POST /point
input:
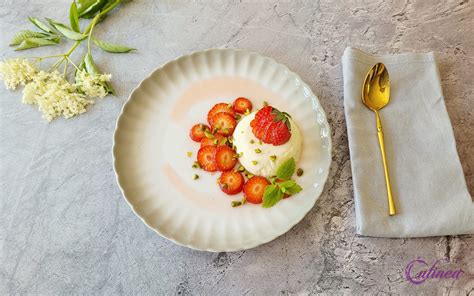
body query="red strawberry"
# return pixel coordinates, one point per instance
(217, 140)
(206, 158)
(271, 126)
(241, 105)
(226, 158)
(218, 108)
(254, 189)
(231, 182)
(197, 132)
(223, 123)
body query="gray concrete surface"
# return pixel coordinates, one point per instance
(64, 227)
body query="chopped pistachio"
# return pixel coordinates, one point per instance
(260, 142)
(273, 158)
(215, 141)
(254, 162)
(226, 131)
(247, 112)
(237, 116)
(224, 141)
(241, 168)
(239, 155)
(196, 165)
(230, 139)
(208, 135)
(230, 105)
(252, 141)
(189, 153)
(258, 150)
(249, 175)
(236, 203)
(265, 103)
(195, 177)
(299, 172)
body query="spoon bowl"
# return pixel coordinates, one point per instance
(376, 90)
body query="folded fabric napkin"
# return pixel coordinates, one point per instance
(427, 179)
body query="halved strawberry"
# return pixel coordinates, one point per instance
(206, 158)
(231, 182)
(226, 158)
(197, 132)
(216, 140)
(218, 108)
(223, 123)
(241, 105)
(254, 189)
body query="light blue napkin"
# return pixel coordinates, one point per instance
(427, 179)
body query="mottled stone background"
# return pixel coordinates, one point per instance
(64, 227)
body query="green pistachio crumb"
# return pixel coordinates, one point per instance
(208, 135)
(189, 153)
(254, 162)
(299, 172)
(258, 150)
(215, 141)
(241, 168)
(260, 142)
(247, 112)
(273, 158)
(196, 165)
(236, 203)
(265, 103)
(252, 141)
(238, 117)
(239, 155)
(195, 177)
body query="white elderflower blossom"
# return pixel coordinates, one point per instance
(92, 85)
(54, 96)
(16, 71)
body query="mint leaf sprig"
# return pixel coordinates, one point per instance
(282, 184)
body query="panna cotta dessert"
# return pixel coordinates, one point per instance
(260, 158)
(255, 153)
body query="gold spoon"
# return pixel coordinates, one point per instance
(376, 95)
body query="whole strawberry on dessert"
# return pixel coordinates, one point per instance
(265, 139)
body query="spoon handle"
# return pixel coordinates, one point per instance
(391, 205)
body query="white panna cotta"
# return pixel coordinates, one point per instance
(259, 159)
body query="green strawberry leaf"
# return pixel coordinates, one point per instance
(286, 169)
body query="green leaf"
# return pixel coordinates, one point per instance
(89, 8)
(271, 196)
(36, 42)
(287, 184)
(22, 35)
(74, 17)
(111, 47)
(286, 169)
(66, 31)
(293, 189)
(91, 68)
(42, 26)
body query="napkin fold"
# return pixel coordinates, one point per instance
(427, 179)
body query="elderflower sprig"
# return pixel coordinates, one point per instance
(49, 89)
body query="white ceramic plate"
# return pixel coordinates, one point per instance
(151, 141)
